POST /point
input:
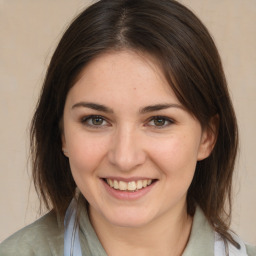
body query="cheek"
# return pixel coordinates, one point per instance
(85, 154)
(176, 156)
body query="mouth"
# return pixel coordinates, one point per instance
(130, 186)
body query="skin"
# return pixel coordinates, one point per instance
(127, 142)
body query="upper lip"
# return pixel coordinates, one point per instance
(127, 179)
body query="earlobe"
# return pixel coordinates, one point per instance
(209, 138)
(64, 150)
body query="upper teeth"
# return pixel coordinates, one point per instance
(130, 186)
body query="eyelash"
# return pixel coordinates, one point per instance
(87, 119)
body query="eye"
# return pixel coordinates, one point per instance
(160, 121)
(94, 121)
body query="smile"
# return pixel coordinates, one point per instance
(131, 186)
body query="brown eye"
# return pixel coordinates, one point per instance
(97, 120)
(159, 121)
(94, 121)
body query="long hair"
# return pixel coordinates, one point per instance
(188, 57)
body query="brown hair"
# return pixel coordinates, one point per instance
(190, 61)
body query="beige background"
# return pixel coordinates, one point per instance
(29, 31)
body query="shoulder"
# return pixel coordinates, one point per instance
(205, 241)
(251, 250)
(245, 249)
(43, 237)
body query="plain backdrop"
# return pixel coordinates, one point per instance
(29, 32)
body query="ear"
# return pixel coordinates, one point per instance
(209, 138)
(64, 145)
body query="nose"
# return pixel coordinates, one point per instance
(126, 151)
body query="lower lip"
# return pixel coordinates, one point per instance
(126, 195)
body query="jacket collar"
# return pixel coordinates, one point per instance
(201, 240)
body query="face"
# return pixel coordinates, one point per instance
(131, 145)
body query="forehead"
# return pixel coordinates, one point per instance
(122, 75)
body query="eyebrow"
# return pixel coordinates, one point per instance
(94, 106)
(158, 107)
(144, 110)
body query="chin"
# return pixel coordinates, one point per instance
(129, 219)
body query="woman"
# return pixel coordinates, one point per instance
(134, 139)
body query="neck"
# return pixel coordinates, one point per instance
(159, 237)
